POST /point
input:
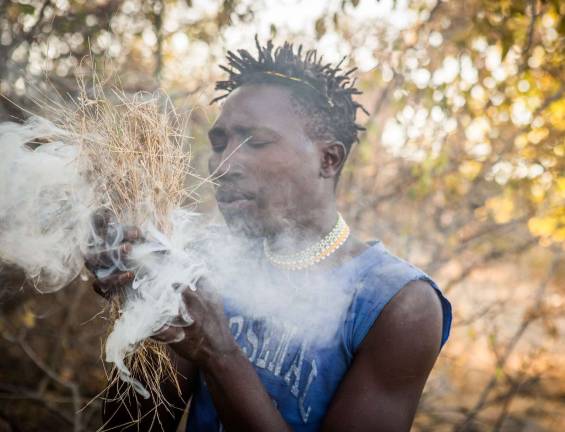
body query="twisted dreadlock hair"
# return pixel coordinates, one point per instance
(321, 91)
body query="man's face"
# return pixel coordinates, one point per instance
(269, 169)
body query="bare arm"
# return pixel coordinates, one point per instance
(240, 399)
(381, 390)
(239, 396)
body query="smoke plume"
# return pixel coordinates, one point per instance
(47, 196)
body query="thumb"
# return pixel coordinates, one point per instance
(169, 335)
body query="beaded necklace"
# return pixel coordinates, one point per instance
(313, 254)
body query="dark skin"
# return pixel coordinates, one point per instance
(278, 183)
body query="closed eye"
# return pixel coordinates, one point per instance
(257, 144)
(257, 141)
(218, 140)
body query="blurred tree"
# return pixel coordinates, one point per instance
(461, 170)
(467, 132)
(48, 39)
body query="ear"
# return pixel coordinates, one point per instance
(333, 156)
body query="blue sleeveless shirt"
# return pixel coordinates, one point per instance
(301, 378)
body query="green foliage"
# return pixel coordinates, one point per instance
(463, 156)
(26, 9)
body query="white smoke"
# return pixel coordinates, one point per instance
(163, 267)
(46, 204)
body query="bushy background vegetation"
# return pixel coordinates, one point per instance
(461, 170)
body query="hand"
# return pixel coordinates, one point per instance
(208, 337)
(107, 253)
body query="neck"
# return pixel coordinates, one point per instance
(305, 230)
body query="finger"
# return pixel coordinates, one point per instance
(188, 296)
(196, 300)
(132, 234)
(107, 287)
(117, 234)
(118, 280)
(96, 261)
(108, 258)
(193, 302)
(107, 290)
(169, 335)
(100, 220)
(207, 290)
(105, 224)
(202, 283)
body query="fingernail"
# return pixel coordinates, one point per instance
(126, 277)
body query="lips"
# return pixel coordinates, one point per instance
(233, 198)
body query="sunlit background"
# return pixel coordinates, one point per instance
(461, 170)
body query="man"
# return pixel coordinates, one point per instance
(278, 146)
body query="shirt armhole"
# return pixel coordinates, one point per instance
(366, 322)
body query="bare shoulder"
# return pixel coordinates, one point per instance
(390, 368)
(417, 301)
(405, 339)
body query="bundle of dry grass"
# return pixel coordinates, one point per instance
(135, 148)
(138, 157)
(128, 154)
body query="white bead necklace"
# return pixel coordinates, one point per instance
(313, 254)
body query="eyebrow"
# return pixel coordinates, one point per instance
(243, 130)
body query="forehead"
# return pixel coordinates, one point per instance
(262, 105)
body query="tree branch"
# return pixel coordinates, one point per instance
(71, 386)
(530, 316)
